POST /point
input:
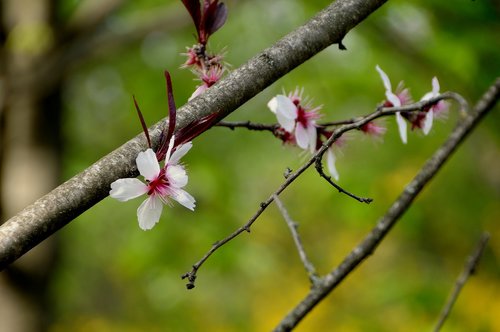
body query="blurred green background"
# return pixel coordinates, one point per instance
(111, 276)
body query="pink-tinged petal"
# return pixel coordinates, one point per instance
(330, 164)
(199, 90)
(179, 153)
(435, 86)
(401, 127)
(184, 198)
(177, 176)
(385, 79)
(312, 136)
(149, 212)
(301, 137)
(147, 164)
(285, 111)
(428, 122)
(395, 101)
(125, 189)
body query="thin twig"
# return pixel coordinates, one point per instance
(469, 269)
(191, 275)
(319, 168)
(293, 226)
(248, 125)
(402, 203)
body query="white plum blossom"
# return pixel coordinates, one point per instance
(436, 108)
(297, 119)
(161, 183)
(395, 100)
(330, 164)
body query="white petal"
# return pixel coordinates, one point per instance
(435, 86)
(330, 163)
(285, 111)
(147, 164)
(312, 135)
(169, 150)
(428, 122)
(177, 176)
(149, 212)
(401, 126)
(184, 198)
(395, 101)
(427, 96)
(125, 189)
(273, 105)
(301, 136)
(385, 79)
(179, 153)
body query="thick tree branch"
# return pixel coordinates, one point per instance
(51, 212)
(402, 203)
(469, 269)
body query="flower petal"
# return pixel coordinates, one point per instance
(402, 127)
(385, 79)
(395, 101)
(179, 153)
(330, 163)
(301, 136)
(184, 198)
(312, 136)
(428, 122)
(169, 150)
(125, 189)
(199, 90)
(177, 176)
(147, 164)
(285, 111)
(435, 86)
(149, 212)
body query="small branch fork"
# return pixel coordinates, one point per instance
(368, 245)
(318, 155)
(469, 269)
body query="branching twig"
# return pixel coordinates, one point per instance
(402, 203)
(293, 226)
(191, 275)
(469, 269)
(319, 168)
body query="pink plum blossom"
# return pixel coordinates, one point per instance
(401, 97)
(296, 118)
(161, 183)
(437, 108)
(208, 78)
(373, 129)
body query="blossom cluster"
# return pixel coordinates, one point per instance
(167, 182)
(208, 17)
(298, 119)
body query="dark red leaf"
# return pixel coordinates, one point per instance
(195, 128)
(143, 123)
(193, 7)
(172, 115)
(216, 18)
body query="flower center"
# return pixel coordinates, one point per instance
(159, 185)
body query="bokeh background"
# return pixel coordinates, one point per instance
(108, 275)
